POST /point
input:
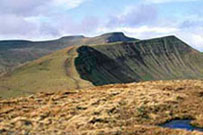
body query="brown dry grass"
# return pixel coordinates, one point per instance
(135, 108)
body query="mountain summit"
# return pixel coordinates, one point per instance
(100, 63)
(14, 53)
(155, 59)
(116, 36)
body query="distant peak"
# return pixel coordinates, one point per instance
(170, 36)
(72, 37)
(113, 33)
(116, 36)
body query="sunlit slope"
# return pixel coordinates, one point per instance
(50, 73)
(120, 62)
(14, 53)
(155, 59)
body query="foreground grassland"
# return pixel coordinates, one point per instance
(135, 108)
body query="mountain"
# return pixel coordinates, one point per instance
(14, 53)
(109, 38)
(119, 109)
(155, 59)
(84, 66)
(53, 72)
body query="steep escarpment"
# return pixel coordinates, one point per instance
(155, 59)
(99, 68)
(120, 62)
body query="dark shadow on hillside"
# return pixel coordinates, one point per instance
(99, 69)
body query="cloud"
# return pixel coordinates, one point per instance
(192, 33)
(197, 41)
(134, 16)
(167, 1)
(189, 29)
(36, 7)
(193, 39)
(12, 24)
(187, 24)
(36, 18)
(20, 7)
(143, 22)
(68, 3)
(143, 31)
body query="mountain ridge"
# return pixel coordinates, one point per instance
(14, 53)
(84, 66)
(153, 59)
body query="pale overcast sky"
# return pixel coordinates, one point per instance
(48, 19)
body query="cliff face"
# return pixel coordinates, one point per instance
(155, 59)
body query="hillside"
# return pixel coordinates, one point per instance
(155, 59)
(121, 109)
(14, 53)
(120, 62)
(109, 38)
(50, 73)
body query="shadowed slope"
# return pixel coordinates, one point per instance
(14, 53)
(100, 69)
(121, 62)
(156, 59)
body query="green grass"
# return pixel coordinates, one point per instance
(155, 59)
(120, 62)
(14, 53)
(50, 73)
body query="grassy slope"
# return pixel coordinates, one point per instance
(156, 59)
(121, 109)
(108, 63)
(14, 53)
(49, 73)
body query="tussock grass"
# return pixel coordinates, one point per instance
(135, 108)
